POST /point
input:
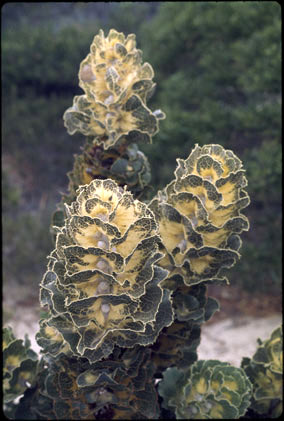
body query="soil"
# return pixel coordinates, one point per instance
(232, 332)
(236, 302)
(232, 339)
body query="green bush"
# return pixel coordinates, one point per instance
(262, 244)
(11, 194)
(27, 242)
(37, 141)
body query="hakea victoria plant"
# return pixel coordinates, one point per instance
(102, 286)
(199, 215)
(125, 291)
(117, 86)
(19, 365)
(209, 389)
(113, 115)
(265, 370)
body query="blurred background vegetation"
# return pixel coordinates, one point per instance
(218, 73)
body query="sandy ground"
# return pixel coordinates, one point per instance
(232, 339)
(24, 322)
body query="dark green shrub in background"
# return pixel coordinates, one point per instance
(218, 71)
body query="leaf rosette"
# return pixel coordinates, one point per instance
(208, 390)
(199, 215)
(265, 370)
(117, 86)
(102, 283)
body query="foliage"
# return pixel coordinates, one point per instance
(19, 367)
(264, 172)
(35, 59)
(116, 87)
(124, 275)
(177, 344)
(104, 269)
(11, 194)
(130, 167)
(265, 370)
(27, 242)
(34, 150)
(199, 214)
(209, 389)
(120, 388)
